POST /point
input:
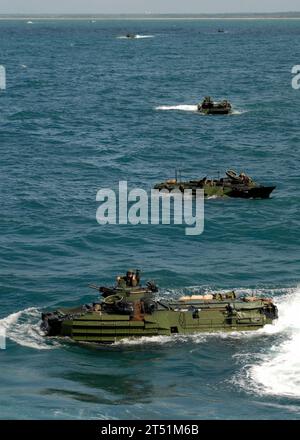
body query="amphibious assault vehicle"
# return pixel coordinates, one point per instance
(233, 185)
(129, 310)
(209, 107)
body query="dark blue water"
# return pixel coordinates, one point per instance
(84, 109)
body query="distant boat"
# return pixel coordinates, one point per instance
(131, 36)
(29, 22)
(233, 185)
(221, 31)
(209, 107)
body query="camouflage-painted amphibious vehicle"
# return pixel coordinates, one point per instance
(233, 185)
(209, 107)
(129, 310)
(131, 36)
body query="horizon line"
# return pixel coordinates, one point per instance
(289, 15)
(146, 14)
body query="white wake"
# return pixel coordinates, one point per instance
(23, 328)
(278, 372)
(182, 107)
(238, 112)
(136, 37)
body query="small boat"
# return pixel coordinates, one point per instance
(209, 107)
(131, 36)
(233, 185)
(128, 310)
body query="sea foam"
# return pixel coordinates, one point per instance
(278, 372)
(182, 107)
(23, 328)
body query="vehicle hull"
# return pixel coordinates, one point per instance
(107, 328)
(238, 191)
(215, 111)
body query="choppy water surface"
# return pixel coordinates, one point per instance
(85, 108)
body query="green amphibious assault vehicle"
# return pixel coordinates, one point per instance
(129, 310)
(209, 107)
(131, 36)
(233, 185)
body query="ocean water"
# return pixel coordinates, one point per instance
(84, 109)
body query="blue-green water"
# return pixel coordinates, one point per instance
(84, 109)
